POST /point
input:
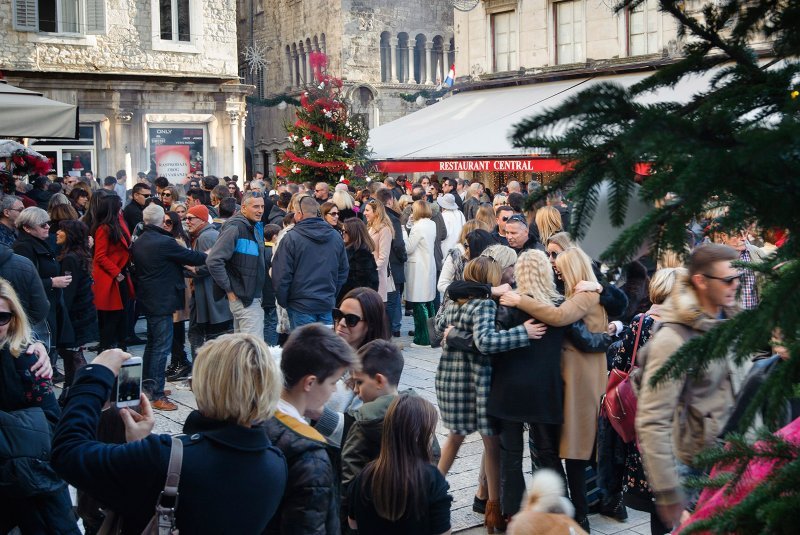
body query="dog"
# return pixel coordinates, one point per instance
(545, 510)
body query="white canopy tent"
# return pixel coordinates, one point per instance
(26, 113)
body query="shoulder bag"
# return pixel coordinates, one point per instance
(163, 521)
(619, 401)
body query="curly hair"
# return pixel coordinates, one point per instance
(534, 277)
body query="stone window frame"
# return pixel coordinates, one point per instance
(91, 19)
(196, 29)
(552, 31)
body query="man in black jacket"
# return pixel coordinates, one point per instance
(133, 211)
(397, 260)
(309, 268)
(160, 287)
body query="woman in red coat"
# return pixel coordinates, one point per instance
(112, 286)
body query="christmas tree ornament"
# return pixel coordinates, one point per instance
(321, 148)
(307, 141)
(296, 169)
(344, 145)
(282, 105)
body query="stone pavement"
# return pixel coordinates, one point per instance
(419, 372)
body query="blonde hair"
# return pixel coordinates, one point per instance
(381, 218)
(534, 277)
(574, 266)
(662, 283)
(294, 204)
(505, 256)
(469, 226)
(235, 378)
(484, 270)
(421, 210)
(342, 200)
(669, 259)
(499, 200)
(18, 336)
(562, 239)
(404, 201)
(548, 221)
(486, 214)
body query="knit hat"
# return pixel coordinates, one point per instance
(200, 212)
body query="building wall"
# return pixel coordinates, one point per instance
(128, 83)
(352, 31)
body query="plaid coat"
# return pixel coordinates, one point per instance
(463, 378)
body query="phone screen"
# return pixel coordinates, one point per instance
(129, 383)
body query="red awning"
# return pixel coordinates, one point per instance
(527, 165)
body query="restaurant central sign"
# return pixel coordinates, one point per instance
(521, 165)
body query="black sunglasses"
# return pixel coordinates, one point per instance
(5, 317)
(351, 320)
(517, 217)
(725, 280)
(552, 254)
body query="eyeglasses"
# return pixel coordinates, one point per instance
(505, 218)
(46, 224)
(166, 194)
(333, 214)
(168, 221)
(6, 317)
(190, 218)
(351, 320)
(726, 280)
(16, 209)
(517, 217)
(552, 254)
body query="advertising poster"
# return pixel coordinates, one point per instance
(176, 152)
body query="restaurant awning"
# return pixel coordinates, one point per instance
(26, 113)
(470, 131)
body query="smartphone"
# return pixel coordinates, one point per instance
(129, 383)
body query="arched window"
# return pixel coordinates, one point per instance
(403, 63)
(419, 59)
(296, 62)
(363, 108)
(316, 44)
(451, 53)
(386, 63)
(437, 60)
(303, 60)
(322, 43)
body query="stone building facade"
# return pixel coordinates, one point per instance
(380, 49)
(156, 81)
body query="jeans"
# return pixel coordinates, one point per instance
(156, 352)
(298, 319)
(248, 319)
(543, 455)
(271, 326)
(394, 309)
(686, 472)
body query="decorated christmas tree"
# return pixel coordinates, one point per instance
(328, 145)
(734, 149)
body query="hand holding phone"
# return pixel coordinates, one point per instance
(129, 383)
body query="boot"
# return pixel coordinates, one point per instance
(613, 506)
(494, 519)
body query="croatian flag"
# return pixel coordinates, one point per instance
(451, 76)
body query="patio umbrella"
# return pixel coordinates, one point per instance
(26, 113)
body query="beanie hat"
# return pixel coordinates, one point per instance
(200, 212)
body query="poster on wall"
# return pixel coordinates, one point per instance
(176, 153)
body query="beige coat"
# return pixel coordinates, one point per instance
(383, 246)
(679, 417)
(585, 374)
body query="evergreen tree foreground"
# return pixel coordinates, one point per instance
(735, 149)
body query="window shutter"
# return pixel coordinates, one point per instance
(95, 17)
(26, 15)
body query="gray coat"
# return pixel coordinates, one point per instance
(203, 307)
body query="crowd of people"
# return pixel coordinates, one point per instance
(289, 296)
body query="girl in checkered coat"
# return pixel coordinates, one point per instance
(464, 377)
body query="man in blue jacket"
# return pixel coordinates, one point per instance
(160, 287)
(309, 267)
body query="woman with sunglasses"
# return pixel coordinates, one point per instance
(584, 372)
(361, 318)
(76, 260)
(344, 202)
(33, 225)
(179, 364)
(359, 246)
(48, 511)
(112, 285)
(330, 214)
(235, 192)
(169, 195)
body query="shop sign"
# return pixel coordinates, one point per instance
(176, 153)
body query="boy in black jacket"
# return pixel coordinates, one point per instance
(314, 358)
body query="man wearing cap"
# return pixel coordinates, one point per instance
(209, 317)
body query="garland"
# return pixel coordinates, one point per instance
(333, 166)
(327, 135)
(272, 102)
(427, 94)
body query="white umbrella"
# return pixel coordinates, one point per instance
(26, 113)
(601, 233)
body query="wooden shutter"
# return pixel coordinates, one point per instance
(95, 17)
(26, 15)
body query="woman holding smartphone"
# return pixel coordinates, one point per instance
(232, 478)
